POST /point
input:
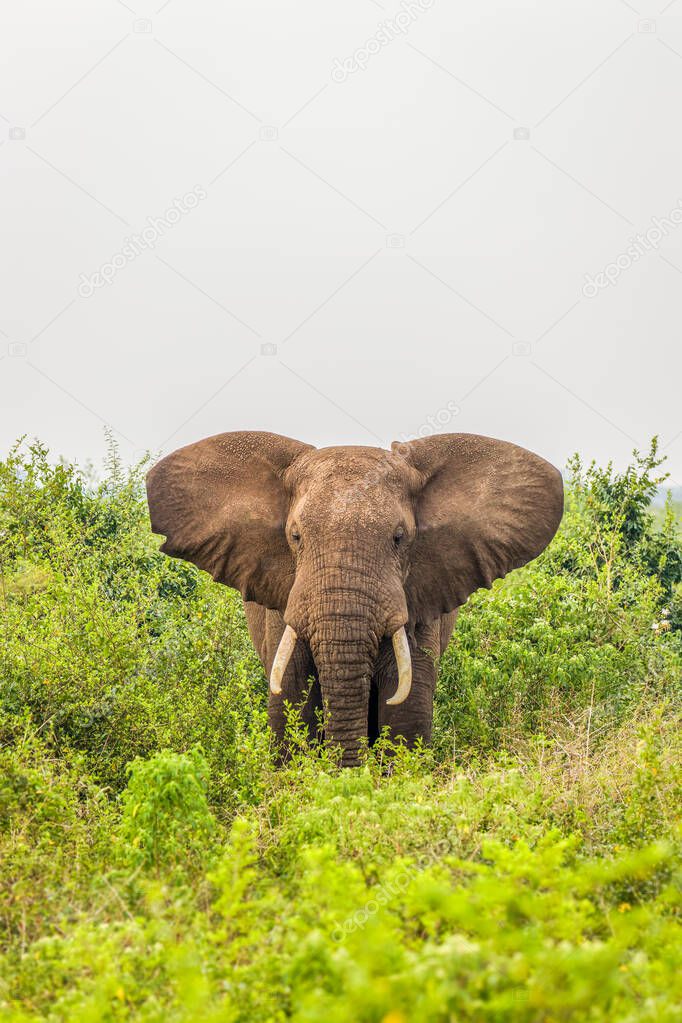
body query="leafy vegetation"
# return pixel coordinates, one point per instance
(156, 865)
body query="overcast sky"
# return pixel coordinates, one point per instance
(346, 223)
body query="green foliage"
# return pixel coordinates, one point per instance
(593, 626)
(115, 648)
(155, 865)
(165, 819)
(353, 895)
(55, 823)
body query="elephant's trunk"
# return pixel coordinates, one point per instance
(343, 609)
(344, 650)
(345, 666)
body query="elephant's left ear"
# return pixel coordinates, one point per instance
(483, 507)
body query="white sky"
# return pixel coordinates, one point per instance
(411, 260)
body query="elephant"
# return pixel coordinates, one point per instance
(354, 561)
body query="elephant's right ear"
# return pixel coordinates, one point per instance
(222, 504)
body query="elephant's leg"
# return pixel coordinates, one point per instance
(447, 627)
(414, 717)
(297, 687)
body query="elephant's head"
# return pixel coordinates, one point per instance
(354, 544)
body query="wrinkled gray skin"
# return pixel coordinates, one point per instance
(348, 544)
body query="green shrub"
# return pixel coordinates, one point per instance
(166, 821)
(351, 895)
(592, 627)
(55, 825)
(123, 650)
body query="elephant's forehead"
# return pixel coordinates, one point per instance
(349, 467)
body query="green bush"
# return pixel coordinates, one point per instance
(55, 824)
(592, 627)
(156, 865)
(165, 819)
(429, 894)
(117, 649)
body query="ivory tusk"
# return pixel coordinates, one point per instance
(282, 658)
(403, 659)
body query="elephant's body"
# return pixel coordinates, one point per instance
(411, 719)
(353, 561)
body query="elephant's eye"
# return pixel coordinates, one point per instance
(295, 535)
(398, 536)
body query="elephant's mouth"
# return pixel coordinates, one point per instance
(401, 649)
